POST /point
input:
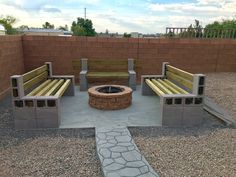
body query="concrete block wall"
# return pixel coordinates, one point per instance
(193, 55)
(11, 61)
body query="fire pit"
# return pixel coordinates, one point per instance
(110, 97)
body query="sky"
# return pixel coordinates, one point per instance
(144, 16)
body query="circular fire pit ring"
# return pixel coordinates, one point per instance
(110, 97)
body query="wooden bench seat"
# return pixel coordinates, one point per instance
(181, 95)
(50, 87)
(36, 97)
(97, 69)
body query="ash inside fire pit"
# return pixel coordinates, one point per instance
(110, 89)
(110, 97)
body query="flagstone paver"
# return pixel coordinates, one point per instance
(118, 154)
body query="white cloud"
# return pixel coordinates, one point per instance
(149, 18)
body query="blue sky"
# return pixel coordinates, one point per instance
(145, 16)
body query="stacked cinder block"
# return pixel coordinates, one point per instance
(181, 95)
(36, 97)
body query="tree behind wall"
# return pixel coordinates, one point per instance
(224, 28)
(47, 25)
(83, 27)
(7, 22)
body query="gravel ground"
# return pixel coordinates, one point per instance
(201, 152)
(68, 152)
(209, 150)
(221, 87)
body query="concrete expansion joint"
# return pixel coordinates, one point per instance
(118, 154)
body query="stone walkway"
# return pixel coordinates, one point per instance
(119, 156)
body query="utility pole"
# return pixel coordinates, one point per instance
(85, 13)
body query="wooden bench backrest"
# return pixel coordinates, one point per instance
(179, 76)
(105, 65)
(35, 76)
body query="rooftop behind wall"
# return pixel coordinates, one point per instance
(193, 55)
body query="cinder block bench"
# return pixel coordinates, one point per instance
(181, 95)
(36, 97)
(114, 69)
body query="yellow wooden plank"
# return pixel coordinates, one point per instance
(154, 87)
(55, 87)
(108, 74)
(169, 87)
(179, 79)
(176, 87)
(31, 74)
(47, 88)
(182, 73)
(35, 80)
(40, 87)
(63, 88)
(160, 86)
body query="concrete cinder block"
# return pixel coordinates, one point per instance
(198, 84)
(24, 113)
(172, 116)
(130, 64)
(48, 112)
(192, 116)
(132, 80)
(17, 86)
(25, 110)
(49, 65)
(83, 81)
(25, 124)
(47, 118)
(84, 64)
(164, 68)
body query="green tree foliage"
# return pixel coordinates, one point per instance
(64, 28)
(83, 27)
(22, 27)
(7, 22)
(225, 28)
(127, 35)
(47, 25)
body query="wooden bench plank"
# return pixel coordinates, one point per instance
(34, 73)
(188, 84)
(63, 88)
(35, 80)
(154, 87)
(174, 91)
(47, 88)
(55, 88)
(176, 87)
(180, 72)
(40, 87)
(160, 86)
(108, 74)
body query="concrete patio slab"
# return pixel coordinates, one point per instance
(76, 113)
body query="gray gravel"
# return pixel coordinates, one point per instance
(204, 152)
(221, 87)
(68, 152)
(208, 150)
